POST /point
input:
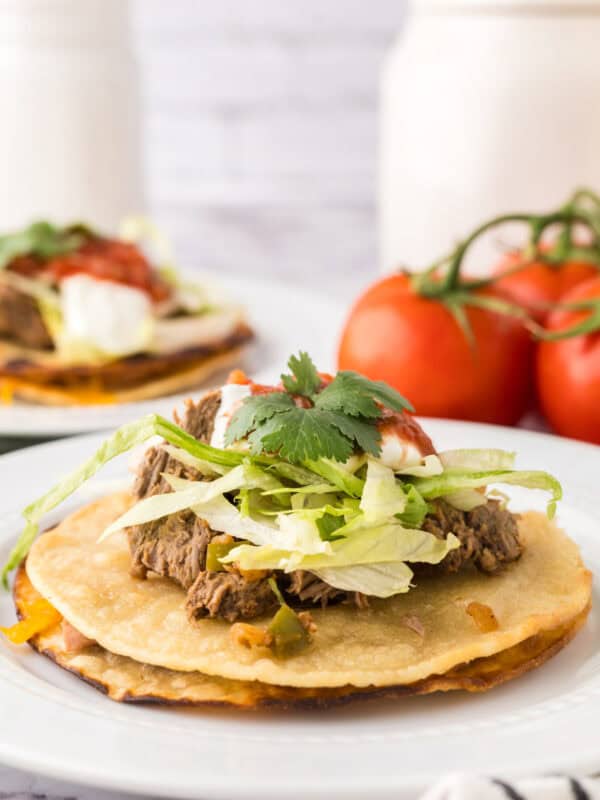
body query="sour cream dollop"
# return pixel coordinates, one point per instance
(397, 453)
(110, 317)
(232, 395)
(403, 442)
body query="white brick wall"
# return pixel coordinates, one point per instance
(261, 131)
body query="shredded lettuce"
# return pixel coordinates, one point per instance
(477, 460)
(466, 499)
(34, 288)
(141, 230)
(254, 477)
(257, 478)
(317, 511)
(429, 466)
(354, 463)
(385, 543)
(295, 530)
(203, 466)
(451, 482)
(161, 505)
(297, 533)
(224, 517)
(416, 509)
(335, 473)
(375, 580)
(383, 496)
(347, 506)
(389, 544)
(253, 497)
(311, 488)
(291, 472)
(256, 504)
(125, 438)
(53, 318)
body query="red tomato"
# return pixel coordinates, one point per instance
(540, 283)
(568, 371)
(416, 345)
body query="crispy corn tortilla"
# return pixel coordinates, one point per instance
(126, 680)
(178, 380)
(40, 377)
(89, 583)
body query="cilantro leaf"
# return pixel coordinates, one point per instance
(254, 411)
(331, 425)
(41, 239)
(301, 434)
(355, 395)
(365, 434)
(305, 380)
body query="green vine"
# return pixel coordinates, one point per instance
(443, 279)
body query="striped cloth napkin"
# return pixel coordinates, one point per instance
(472, 787)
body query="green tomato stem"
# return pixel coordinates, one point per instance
(568, 216)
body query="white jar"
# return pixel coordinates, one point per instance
(487, 106)
(69, 120)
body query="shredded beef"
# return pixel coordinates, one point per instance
(229, 595)
(199, 421)
(489, 537)
(175, 546)
(199, 418)
(306, 587)
(21, 321)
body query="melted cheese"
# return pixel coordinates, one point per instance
(10, 387)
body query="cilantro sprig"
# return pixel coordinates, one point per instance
(330, 421)
(43, 240)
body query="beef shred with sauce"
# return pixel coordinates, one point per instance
(175, 546)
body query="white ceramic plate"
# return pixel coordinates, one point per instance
(285, 319)
(543, 722)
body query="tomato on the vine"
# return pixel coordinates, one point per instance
(462, 348)
(540, 283)
(568, 369)
(419, 346)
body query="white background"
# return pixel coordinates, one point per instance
(261, 131)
